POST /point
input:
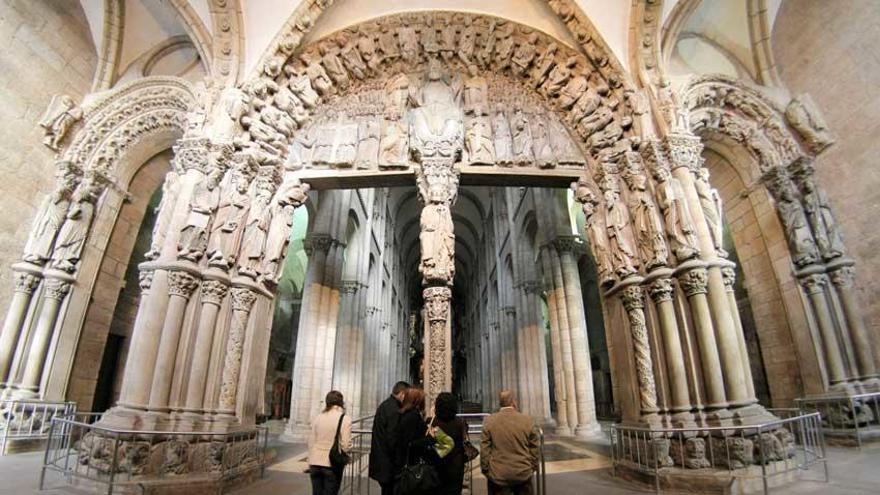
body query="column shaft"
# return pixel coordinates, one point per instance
(181, 285)
(814, 285)
(694, 284)
(25, 284)
(213, 292)
(583, 372)
(565, 338)
(661, 293)
(53, 294)
(842, 278)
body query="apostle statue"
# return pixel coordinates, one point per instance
(617, 227)
(595, 229)
(231, 215)
(650, 239)
(542, 145)
(476, 93)
(503, 139)
(51, 215)
(75, 229)
(478, 141)
(194, 235)
(710, 203)
(522, 138)
(797, 229)
(164, 212)
(437, 236)
(369, 130)
(60, 116)
(826, 230)
(286, 200)
(676, 215)
(255, 231)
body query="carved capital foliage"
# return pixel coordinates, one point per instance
(213, 291)
(694, 282)
(661, 290)
(814, 284)
(437, 303)
(145, 279)
(632, 299)
(684, 151)
(243, 299)
(317, 242)
(843, 277)
(26, 282)
(55, 289)
(569, 243)
(728, 275)
(181, 284)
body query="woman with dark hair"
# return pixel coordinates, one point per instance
(451, 458)
(332, 421)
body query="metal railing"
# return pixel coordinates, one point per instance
(29, 419)
(84, 452)
(356, 479)
(792, 443)
(853, 416)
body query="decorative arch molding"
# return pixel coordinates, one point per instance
(111, 45)
(197, 31)
(120, 130)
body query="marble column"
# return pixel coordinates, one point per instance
(694, 282)
(814, 286)
(26, 281)
(565, 338)
(135, 391)
(213, 292)
(243, 299)
(559, 388)
(843, 280)
(729, 275)
(180, 287)
(54, 292)
(661, 291)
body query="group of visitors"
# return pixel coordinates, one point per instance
(415, 453)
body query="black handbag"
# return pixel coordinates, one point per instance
(416, 479)
(338, 458)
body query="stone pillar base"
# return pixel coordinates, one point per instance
(295, 433)
(592, 430)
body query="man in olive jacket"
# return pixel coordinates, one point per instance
(382, 445)
(509, 449)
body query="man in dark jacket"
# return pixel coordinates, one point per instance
(382, 444)
(509, 449)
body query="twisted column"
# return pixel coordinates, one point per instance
(243, 300)
(631, 297)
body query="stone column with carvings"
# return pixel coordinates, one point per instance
(243, 299)
(26, 281)
(633, 303)
(180, 286)
(213, 293)
(55, 289)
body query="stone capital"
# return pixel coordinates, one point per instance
(192, 154)
(55, 289)
(569, 243)
(317, 242)
(26, 282)
(728, 275)
(684, 151)
(243, 299)
(631, 297)
(814, 284)
(843, 276)
(213, 292)
(694, 282)
(145, 279)
(661, 290)
(181, 284)
(437, 303)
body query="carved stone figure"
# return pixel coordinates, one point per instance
(617, 225)
(524, 54)
(263, 133)
(135, 457)
(585, 105)
(541, 145)
(605, 137)
(60, 116)
(174, 461)
(388, 43)
(255, 232)
(559, 77)
(346, 144)
(447, 40)
(504, 47)
(646, 222)
(409, 44)
(72, 235)
(319, 78)
(164, 211)
(596, 122)
(676, 215)
(694, 455)
(595, 227)
(299, 153)
(51, 215)
(429, 39)
(290, 104)
(710, 203)
(825, 228)
(503, 140)
(734, 452)
(802, 114)
(351, 56)
(285, 201)
(478, 142)
(225, 122)
(194, 235)
(278, 120)
(394, 144)
(574, 89)
(567, 152)
(476, 93)
(301, 86)
(797, 230)
(437, 239)
(436, 118)
(231, 214)
(322, 154)
(487, 45)
(369, 131)
(543, 65)
(397, 95)
(522, 138)
(366, 45)
(333, 64)
(467, 41)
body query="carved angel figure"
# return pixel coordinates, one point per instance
(75, 229)
(60, 116)
(394, 145)
(194, 235)
(51, 215)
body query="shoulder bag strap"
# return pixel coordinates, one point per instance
(338, 428)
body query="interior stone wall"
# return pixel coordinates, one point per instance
(45, 49)
(116, 284)
(829, 50)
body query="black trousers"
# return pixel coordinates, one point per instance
(523, 488)
(387, 488)
(325, 481)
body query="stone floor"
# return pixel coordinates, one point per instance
(573, 467)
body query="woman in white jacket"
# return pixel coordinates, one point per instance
(325, 477)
